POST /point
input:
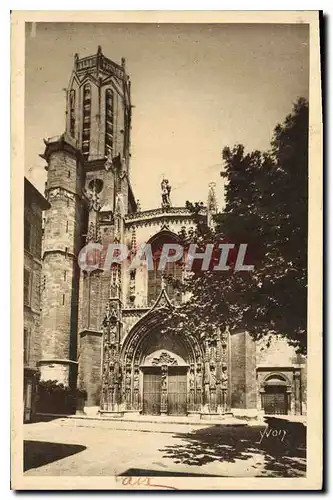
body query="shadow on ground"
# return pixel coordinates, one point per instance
(46, 418)
(231, 443)
(38, 453)
(160, 473)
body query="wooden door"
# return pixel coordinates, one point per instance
(275, 400)
(177, 393)
(152, 392)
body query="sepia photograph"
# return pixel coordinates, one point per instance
(169, 326)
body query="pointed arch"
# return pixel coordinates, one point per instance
(73, 80)
(133, 347)
(111, 81)
(88, 78)
(172, 269)
(86, 126)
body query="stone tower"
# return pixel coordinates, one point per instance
(61, 244)
(87, 183)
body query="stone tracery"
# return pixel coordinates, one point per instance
(123, 365)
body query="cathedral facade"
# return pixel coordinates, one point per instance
(100, 329)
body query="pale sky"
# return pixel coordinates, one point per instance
(196, 88)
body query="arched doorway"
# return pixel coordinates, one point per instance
(275, 395)
(163, 371)
(164, 384)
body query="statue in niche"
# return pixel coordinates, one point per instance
(111, 375)
(166, 189)
(164, 378)
(224, 335)
(206, 372)
(213, 352)
(191, 379)
(128, 380)
(224, 379)
(130, 352)
(197, 352)
(212, 377)
(109, 162)
(199, 379)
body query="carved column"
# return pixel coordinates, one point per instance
(224, 364)
(164, 390)
(112, 372)
(191, 384)
(219, 393)
(212, 387)
(105, 376)
(206, 395)
(128, 385)
(198, 387)
(211, 380)
(297, 379)
(198, 377)
(224, 388)
(136, 398)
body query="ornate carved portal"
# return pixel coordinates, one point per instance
(111, 397)
(216, 372)
(205, 367)
(164, 359)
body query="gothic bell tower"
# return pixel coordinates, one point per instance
(98, 118)
(87, 181)
(99, 107)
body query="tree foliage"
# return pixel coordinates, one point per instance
(266, 207)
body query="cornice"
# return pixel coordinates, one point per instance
(171, 214)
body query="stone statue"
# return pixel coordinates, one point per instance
(199, 380)
(224, 380)
(109, 162)
(191, 379)
(166, 189)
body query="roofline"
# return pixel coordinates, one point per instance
(41, 200)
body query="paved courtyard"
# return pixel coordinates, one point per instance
(78, 447)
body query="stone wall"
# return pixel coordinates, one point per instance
(62, 241)
(280, 358)
(33, 205)
(242, 371)
(90, 375)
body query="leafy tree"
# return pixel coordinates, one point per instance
(266, 207)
